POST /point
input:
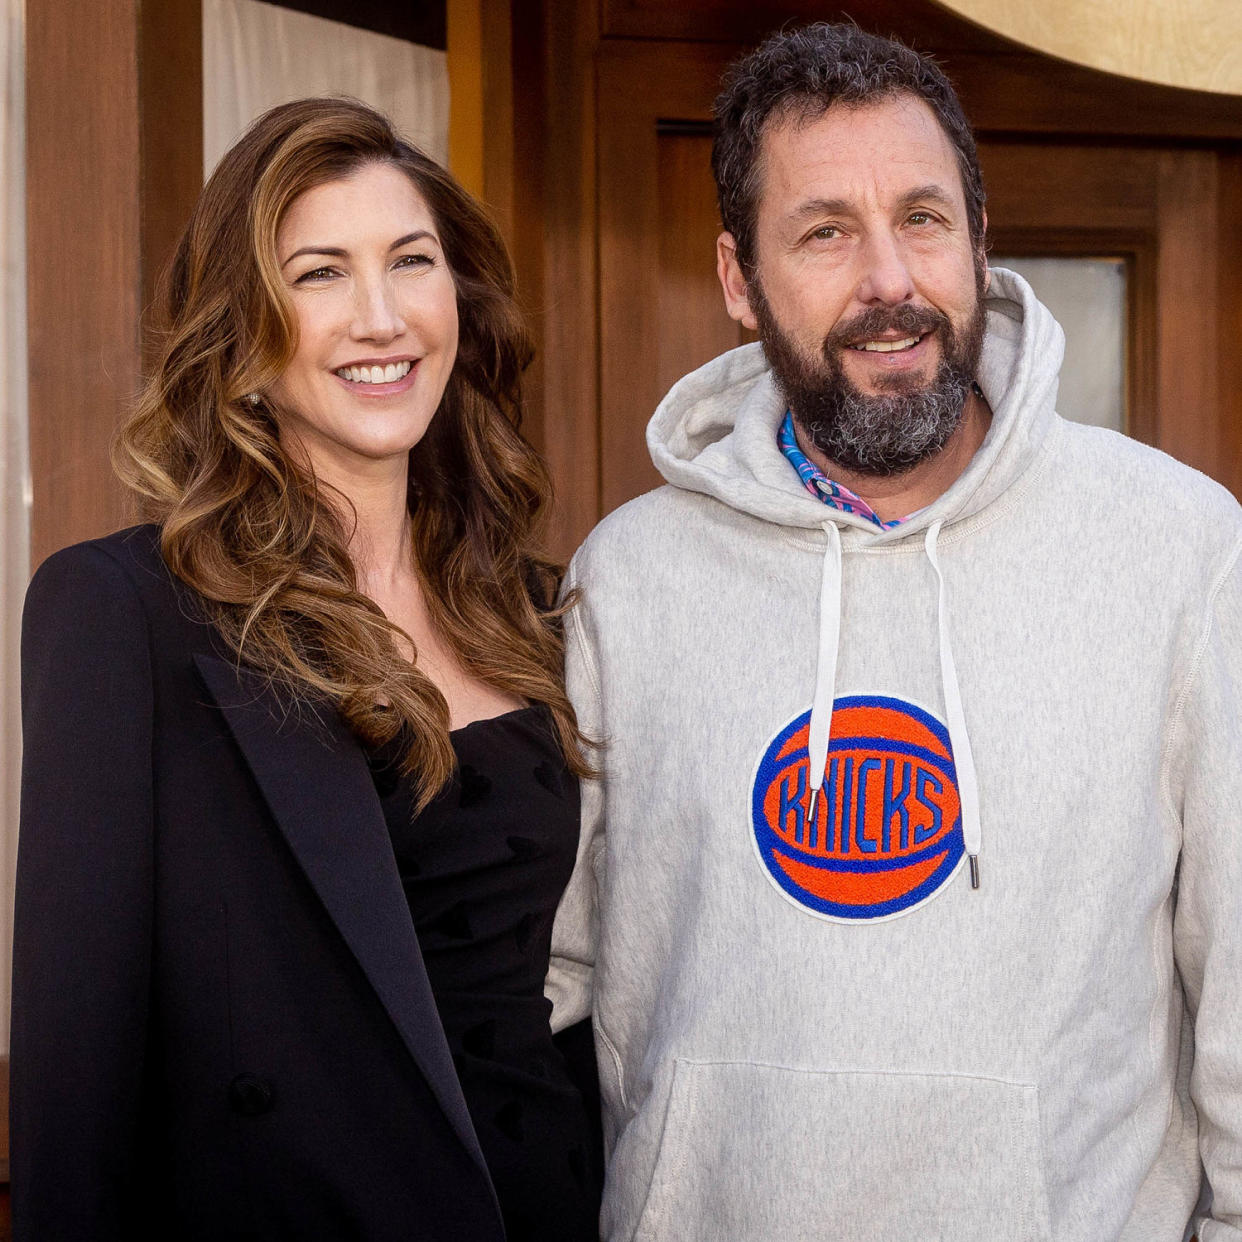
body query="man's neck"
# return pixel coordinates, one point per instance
(897, 496)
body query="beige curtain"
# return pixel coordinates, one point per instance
(257, 55)
(14, 474)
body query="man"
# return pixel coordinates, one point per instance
(910, 896)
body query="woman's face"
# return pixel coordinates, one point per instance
(377, 324)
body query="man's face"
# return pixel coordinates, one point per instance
(867, 288)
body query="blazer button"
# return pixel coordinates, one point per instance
(251, 1095)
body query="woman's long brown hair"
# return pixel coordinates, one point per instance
(261, 541)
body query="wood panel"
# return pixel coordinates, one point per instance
(923, 24)
(1065, 186)
(170, 100)
(481, 119)
(688, 223)
(1190, 406)
(555, 43)
(688, 326)
(464, 38)
(83, 242)
(1229, 317)
(1029, 94)
(680, 83)
(105, 198)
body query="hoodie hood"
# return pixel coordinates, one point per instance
(715, 431)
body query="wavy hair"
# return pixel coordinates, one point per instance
(261, 541)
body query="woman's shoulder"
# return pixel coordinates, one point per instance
(112, 603)
(98, 573)
(135, 547)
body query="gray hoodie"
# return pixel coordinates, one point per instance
(811, 1025)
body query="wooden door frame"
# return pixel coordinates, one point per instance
(628, 207)
(1137, 249)
(113, 165)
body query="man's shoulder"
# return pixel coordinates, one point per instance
(1131, 474)
(642, 529)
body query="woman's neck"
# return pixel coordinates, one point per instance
(373, 504)
(381, 546)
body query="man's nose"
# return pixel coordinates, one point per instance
(885, 278)
(377, 315)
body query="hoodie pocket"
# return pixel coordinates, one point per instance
(762, 1153)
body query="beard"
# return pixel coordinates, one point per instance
(904, 424)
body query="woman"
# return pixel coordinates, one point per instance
(299, 793)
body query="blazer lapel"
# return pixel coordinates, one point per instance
(316, 782)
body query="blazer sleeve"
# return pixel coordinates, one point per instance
(83, 906)
(1206, 787)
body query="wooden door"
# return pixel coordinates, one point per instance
(1163, 207)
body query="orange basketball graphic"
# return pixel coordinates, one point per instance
(887, 831)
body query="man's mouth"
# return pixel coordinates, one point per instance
(376, 375)
(887, 347)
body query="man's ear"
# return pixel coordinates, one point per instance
(733, 282)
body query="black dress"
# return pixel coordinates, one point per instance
(483, 867)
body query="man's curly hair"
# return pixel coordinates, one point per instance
(797, 75)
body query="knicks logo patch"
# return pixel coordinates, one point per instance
(887, 832)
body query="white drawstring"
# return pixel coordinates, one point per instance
(959, 739)
(820, 732)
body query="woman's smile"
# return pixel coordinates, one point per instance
(376, 378)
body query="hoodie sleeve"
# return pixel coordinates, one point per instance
(575, 932)
(1206, 769)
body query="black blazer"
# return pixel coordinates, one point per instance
(222, 1026)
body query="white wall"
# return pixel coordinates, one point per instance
(14, 467)
(257, 55)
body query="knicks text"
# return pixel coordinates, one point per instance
(887, 829)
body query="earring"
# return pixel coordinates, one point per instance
(253, 398)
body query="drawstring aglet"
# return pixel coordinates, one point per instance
(810, 809)
(974, 870)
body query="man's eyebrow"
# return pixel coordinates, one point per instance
(930, 193)
(335, 252)
(812, 207)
